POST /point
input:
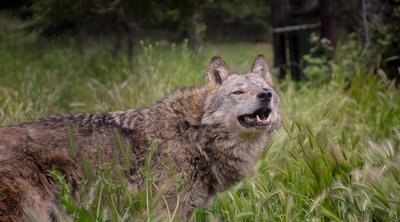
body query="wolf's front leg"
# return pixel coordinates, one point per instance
(194, 196)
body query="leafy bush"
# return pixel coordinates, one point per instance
(348, 56)
(386, 39)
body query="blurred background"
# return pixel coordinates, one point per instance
(286, 24)
(335, 63)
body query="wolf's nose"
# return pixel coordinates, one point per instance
(264, 96)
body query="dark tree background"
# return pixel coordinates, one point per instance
(125, 19)
(376, 22)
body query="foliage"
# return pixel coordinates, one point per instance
(321, 69)
(180, 16)
(318, 66)
(336, 158)
(238, 19)
(90, 15)
(379, 33)
(386, 39)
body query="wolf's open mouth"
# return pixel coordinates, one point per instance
(260, 117)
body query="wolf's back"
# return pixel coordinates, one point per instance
(28, 152)
(24, 166)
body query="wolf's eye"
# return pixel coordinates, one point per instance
(238, 92)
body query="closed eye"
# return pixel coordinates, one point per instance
(238, 92)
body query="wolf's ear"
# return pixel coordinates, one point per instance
(217, 72)
(260, 67)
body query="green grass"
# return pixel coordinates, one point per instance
(336, 157)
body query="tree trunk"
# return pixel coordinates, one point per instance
(82, 41)
(367, 39)
(327, 13)
(280, 14)
(130, 42)
(118, 42)
(196, 32)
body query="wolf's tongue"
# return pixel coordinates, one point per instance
(247, 119)
(251, 120)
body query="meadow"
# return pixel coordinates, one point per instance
(335, 158)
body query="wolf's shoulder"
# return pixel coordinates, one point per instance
(182, 105)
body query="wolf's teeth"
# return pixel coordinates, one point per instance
(258, 118)
(247, 119)
(269, 118)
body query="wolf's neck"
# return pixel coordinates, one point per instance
(233, 158)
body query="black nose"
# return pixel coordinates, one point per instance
(264, 96)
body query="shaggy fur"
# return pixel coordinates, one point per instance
(203, 134)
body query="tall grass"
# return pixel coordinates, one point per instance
(336, 157)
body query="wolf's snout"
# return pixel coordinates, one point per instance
(264, 96)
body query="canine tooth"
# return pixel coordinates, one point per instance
(269, 118)
(247, 119)
(258, 118)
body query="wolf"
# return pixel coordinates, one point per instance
(211, 135)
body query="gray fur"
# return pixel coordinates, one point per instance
(199, 135)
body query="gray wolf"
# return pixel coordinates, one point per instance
(210, 135)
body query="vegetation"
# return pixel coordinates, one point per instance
(336, 158)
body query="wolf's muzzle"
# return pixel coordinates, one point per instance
(264, 96)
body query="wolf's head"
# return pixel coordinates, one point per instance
(246, 103)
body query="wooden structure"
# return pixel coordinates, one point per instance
(293, 21)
